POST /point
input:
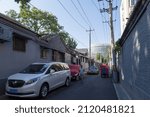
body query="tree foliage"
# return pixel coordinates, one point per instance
(67, 39)
(41, 22)
(98, 56)
(102, 58)
(13, 14)
(23, 3)
(117, 46)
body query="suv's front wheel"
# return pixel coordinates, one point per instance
(44, 91)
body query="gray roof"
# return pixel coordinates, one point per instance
(82, 50)
(11, 20)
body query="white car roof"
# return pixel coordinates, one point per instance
(49, 63)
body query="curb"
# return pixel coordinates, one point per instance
(122, 94)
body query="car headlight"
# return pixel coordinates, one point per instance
(31, 81)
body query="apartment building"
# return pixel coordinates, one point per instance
(126, 9)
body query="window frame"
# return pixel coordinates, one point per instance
(43, 53)
(19, 48)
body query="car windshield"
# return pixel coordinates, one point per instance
(35, 69)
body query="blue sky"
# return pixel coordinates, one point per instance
(102, 31)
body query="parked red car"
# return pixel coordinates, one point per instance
(104, 70)
(75, 70)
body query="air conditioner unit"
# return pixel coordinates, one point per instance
(5, 33)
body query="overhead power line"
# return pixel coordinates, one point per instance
(94, 5)
(104, 20)
(102, 16)
(78, 40)
(69, 34)
(116, 13)
(110, 12)
(85, 14)
(90, 24)
(101, 13)
(71, 15)
(86, 19)
(79, 12)
(32, 5)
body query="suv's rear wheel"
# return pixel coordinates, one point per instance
(44, 91)
(67, 83)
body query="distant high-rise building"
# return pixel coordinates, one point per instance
(126, 8)
(102, 49)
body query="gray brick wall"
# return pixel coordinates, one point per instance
(135, 59)
(13, 61)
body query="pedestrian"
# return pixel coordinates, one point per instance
(81, 72)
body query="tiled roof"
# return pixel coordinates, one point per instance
(15, 22)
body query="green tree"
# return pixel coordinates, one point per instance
(13, 14)
(117, 46)
(102, 59)
(70, 42)
(23, 3)
(98, 56)
(64, 36)
(41, 22)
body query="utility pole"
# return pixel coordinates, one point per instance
(110, 12)
(112, 35)
(90, 30)
(112, 52)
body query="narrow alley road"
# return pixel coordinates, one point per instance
(93, 87)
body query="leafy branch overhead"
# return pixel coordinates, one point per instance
(67, 39)
(25, 1)
(42, 22)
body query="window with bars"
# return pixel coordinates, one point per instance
(44, 52)
(58, 56)
(19, 44)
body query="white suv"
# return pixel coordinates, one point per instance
(38, 79)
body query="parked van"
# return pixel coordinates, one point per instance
(38, 79)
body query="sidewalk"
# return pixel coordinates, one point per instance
(121, 92)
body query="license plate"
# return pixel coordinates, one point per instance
(13, 90)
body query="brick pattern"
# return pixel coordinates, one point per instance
(135, 59)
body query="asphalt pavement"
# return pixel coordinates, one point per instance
(92, 87)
